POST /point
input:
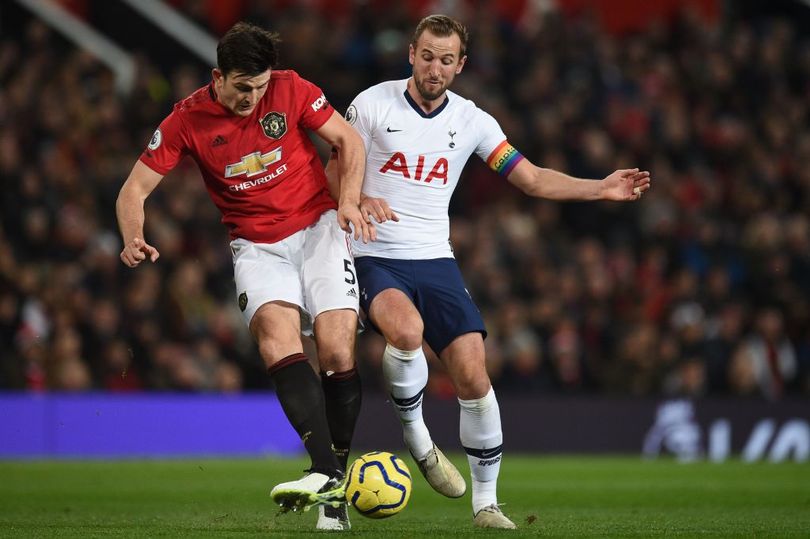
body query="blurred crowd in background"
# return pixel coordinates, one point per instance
(702, 288)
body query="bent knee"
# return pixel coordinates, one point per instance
(405, 340)
(473, 389)
(471, 381)
(406, 336)
(336, 359)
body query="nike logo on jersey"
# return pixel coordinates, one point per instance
(393, 130)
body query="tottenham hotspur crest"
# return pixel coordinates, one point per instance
(274, 124)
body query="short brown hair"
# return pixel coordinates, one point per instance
(247, 49)
(442, 26)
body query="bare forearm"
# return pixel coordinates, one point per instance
(130, 214)
(554, 185)
(351, 167)
(333, 177)
(620, 185)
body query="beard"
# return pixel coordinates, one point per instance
(426, 93)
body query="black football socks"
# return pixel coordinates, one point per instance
(302, 399)
(343, 397)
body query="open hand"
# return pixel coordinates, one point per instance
(351, 220)
(626, 184)
(377, 208)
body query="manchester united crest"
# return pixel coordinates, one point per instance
(274, 124)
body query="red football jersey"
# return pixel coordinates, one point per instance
(262, 171)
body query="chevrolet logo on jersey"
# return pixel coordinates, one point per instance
(252, 164)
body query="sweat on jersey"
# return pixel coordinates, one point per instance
(414, 160)
(262, 171)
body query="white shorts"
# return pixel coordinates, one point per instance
(313, 269)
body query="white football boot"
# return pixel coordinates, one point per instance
(441, 474)
(312, 489)
(491, 516)
(333, 518)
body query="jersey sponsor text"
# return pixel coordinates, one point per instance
(244, 186)
(399, 163)
(318, 103)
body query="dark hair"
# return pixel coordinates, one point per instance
(442, 26)
(247, 49)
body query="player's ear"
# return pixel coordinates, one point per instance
(217, 75)
(411, 53)
(461, 64)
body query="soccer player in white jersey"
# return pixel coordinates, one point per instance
(418, 135)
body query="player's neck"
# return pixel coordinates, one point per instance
(218, 98)
(427, 106)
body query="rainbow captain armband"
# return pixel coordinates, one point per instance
(504, 158)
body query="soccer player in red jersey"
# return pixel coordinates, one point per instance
(294, 273)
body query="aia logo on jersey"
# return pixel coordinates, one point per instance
(398, 163)
(274, 124)
(253, 163)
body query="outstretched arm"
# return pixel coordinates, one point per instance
(622, 185)
(351, 164)
(129, 210)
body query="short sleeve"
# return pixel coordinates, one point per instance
(167, 146)
(493, 147)
(315, 109)
(359, 116)
(490, 134)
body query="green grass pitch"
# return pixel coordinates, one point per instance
(545, 496)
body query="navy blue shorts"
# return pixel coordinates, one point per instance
(435, 287)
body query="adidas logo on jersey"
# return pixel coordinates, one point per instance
(219, 140)
(351, 293)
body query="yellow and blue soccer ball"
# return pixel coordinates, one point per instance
(378, 485)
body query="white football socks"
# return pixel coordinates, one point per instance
(482, 438)
(406, 374)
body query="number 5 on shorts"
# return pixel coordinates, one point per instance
(347, 267)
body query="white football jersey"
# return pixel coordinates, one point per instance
(414, 161)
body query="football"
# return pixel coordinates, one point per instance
(378, 485)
